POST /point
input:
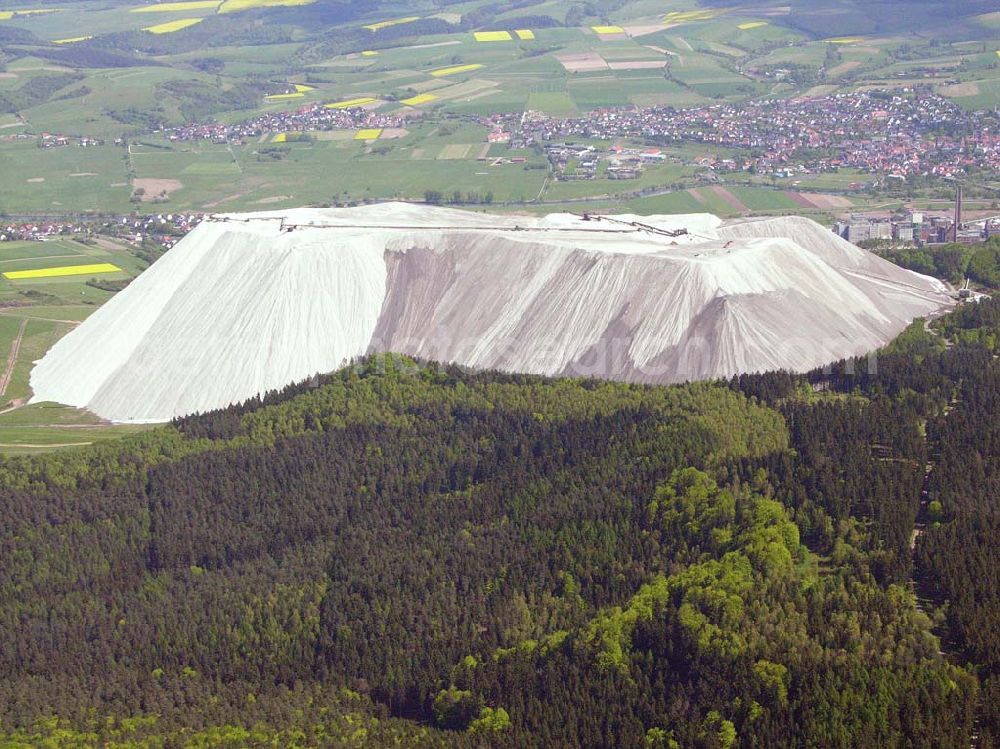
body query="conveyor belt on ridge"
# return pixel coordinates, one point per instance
(633, 227)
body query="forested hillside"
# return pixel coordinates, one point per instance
(924, 426)
(403, 555)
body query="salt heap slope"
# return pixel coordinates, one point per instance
(249, 303)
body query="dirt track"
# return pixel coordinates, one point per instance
(15, 349)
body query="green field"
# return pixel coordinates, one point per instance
(35, 314)
(212, 177)
(834, 181)
(677, 202)
(68, 178)
(126, 84)
(986, 93)
(658, 176)
(46, 426)
(760, 200)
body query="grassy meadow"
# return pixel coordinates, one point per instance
(34, 314)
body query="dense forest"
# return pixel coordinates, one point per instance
(409, 554)
(951, 262)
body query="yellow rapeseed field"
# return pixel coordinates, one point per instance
(369, 53)
(350, 103)
(387, 24)
(171, 26)
(686, 16)
(419, 99)
(525, 34)
(64, 270)
(6, 15)
(234, 6)
(845, 40)
(371, 133)
(455, 70)
(492, 36)
(752, 25)
(175, 7)
(72, 40)
(608, 29)
(302, 88)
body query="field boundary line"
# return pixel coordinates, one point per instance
(15, 349)
(12, 312)
(53, 445)
(38, 257)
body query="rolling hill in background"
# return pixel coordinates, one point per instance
(121, 79)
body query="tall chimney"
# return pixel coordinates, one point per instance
(958, 211)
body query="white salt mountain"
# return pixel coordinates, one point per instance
(250, 303)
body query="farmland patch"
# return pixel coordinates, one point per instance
(63, 270)
(455, 151)
(171, 26)
(154, 187)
